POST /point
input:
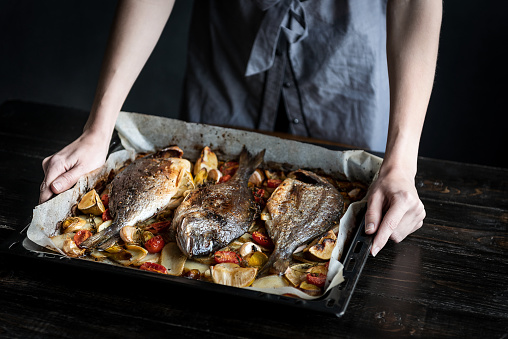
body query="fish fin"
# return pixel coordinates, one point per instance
(109, 242)
(98, 238)
(248, 163)
(276, 263)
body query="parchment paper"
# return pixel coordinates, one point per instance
(145, 133)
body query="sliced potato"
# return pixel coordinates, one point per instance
(91, 203)
(137, 254)
(270, 281)
(194, 265)
(233, 275)
(173, 259)
(310, 289)
(150, 257)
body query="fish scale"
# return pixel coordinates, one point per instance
(303, 207)
(214, 215)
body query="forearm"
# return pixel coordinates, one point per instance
(135, 32)
(412, 43)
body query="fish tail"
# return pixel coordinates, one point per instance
(277, 263)
(100, 238)
(248, 163)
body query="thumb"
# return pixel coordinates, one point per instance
(374, 213)
(66, 180)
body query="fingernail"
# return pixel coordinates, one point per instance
(57, 186)
(375, 251)
(369, 227)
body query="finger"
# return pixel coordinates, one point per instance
(389, 223)
(374, 213)
(409, 223)
(50, 173)
(66, 180)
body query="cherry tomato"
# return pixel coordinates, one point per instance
(155, 244)
(273, 183)
(105, 200)
(106, 215)
(229, 168)
(262, 239)
(224, 178)
(157, 227)
(153, 267)
(317, 279)
(81, 236)
(227, 256)
(258, 195)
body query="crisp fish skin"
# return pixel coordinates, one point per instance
(303, 207)
(141, 190)
(212, 216)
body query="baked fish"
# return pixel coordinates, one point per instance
(303, 207)
(212, 216)
(140, 191)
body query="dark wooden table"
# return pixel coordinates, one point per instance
(449, 279)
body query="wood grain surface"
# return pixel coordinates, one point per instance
(447, 280)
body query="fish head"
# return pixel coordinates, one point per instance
(195, 236)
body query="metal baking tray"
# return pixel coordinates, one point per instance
(333, 302)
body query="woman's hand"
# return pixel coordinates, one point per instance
(394, 209)
(63, 169)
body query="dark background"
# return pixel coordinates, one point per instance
(51, 51)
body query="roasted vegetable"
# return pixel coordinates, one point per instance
(91, 203)
(233, 275)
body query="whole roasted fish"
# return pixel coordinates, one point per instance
(141, 190)
(212, 216)
(303, 207)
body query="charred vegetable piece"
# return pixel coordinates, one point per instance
(317, 279)
(323, 249)
(224, 178)
(81, 236)
(229, 168)
(207, 161)
(105, 200)
(155, 244)
(153, 267)
(273, 183)
(106, 215)
(262, 239)
(158, 227)
(91, 203)
(73, 224)
(71, 249)
(227, 257)
(192, 274)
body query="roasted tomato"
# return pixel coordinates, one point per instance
(105, 200)
(81, 236)
(157, 227)
(273, 183)
(258, 195)
(155, 244)
(153, 267)
(106, 216)
(262, 239)
(224, 178)
(317, 279)
(227, 256)
(229, 168)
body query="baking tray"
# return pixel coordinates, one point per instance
(333, 302)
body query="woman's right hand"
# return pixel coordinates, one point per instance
(63, 169)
